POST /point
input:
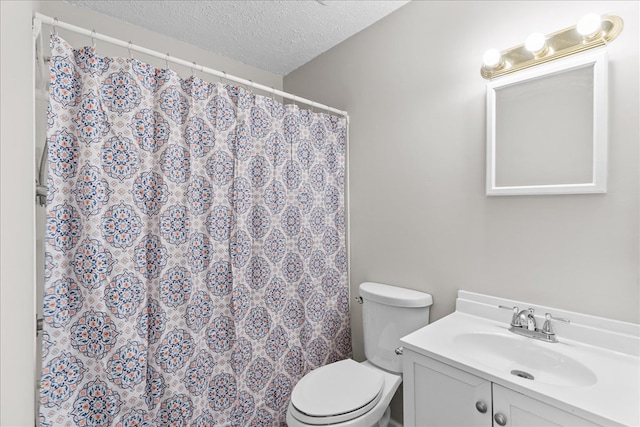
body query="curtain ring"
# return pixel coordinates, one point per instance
(166, 61)
(273, 94)
(129, 49)
(193, 71)
(55, 26)
(225, 76)
(93, 39)
(294, 99)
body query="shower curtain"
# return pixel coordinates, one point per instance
(195, 249)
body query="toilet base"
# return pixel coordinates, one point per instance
(384, 421)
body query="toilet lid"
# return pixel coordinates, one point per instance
(338, 388)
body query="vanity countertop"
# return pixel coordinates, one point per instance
(593, 371)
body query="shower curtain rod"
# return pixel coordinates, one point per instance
(39, 19)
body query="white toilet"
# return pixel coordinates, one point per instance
(348, 393)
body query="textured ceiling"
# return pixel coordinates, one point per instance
(277, 36)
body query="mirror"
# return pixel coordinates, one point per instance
(547, 128)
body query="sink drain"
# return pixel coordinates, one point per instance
(522, 374)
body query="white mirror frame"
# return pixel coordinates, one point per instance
(598, 183)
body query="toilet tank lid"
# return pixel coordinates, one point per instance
(394, 295)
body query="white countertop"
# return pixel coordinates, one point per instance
(613, 398)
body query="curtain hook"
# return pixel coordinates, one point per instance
(294, 99)
(273, 94)
(129, 49)
(166, 61)
(225, 76)
(93, 39)
(193, 71)
(55, 26)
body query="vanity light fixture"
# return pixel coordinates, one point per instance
(592, 31)
(536, 43)
(492, 59)
(590, 25)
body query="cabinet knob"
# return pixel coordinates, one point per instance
(500, 419)
(481, 406)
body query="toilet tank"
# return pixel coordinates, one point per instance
(388, 314)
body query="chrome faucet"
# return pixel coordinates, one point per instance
(523, 322)
(526, 319)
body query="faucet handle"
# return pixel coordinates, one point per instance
(515, 309)
(547, 328)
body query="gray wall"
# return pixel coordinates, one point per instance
(419, 215)
(17, 216)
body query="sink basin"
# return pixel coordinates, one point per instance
(509, 353)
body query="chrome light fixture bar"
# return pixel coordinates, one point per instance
(591, 31)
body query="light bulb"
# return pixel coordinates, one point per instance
(589, 25)
(536, 43)
(492, 58)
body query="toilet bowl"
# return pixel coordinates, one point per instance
(351, 394)
(344, 393)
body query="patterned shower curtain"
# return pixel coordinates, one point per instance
(195, 250)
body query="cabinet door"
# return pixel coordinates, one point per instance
(438, 395)
(523, 411)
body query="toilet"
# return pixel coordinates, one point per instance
(348, 393)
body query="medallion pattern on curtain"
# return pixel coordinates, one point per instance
(195, 249)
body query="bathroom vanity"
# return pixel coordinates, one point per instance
(469, 369)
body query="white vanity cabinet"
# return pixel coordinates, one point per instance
(459, 370)
(520, 411)
(439, 395)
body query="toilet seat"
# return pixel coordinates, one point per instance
(336, 393)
